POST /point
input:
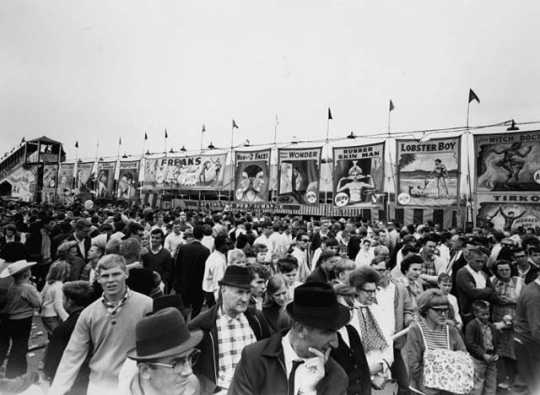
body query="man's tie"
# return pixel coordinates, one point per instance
(295, 365)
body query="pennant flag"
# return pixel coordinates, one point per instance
(120, 141)
(203, 128)
(145, 136)
(76, 144)
(23, 140)
(391, 105)
(166, 135)
(472, 96)
(330, 114)
(234, 125)
(277, 120)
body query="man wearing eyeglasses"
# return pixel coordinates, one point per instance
(164, 362)
(525, 270)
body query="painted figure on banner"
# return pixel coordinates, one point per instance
(252, 176)
(105, 180)
(509, 217)
(508, 162)
(191, 172)
(428, 173)
(358, 175)
(299, 173)
(127, 180)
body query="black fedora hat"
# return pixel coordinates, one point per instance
(237, 276)
(163, 334)
(315, 304)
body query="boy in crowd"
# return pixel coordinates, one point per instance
(481, 339)
(445, 285)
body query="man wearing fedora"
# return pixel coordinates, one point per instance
(228, 327)
(164, 352)
(105, 330)
(297, 362)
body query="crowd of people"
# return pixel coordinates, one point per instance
(136, 300)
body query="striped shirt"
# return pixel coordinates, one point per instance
(434, 338)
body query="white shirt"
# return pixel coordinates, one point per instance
(303, 267)
(214, 270)
(280, 244)
(479, 279)
(289, 355)
(172, 241)
(208, 242)
(396, 271)
(364, 258)
(444, 255)
(384, 310)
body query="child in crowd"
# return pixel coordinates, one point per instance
(445, 285)
(288, 267)
(481, 339)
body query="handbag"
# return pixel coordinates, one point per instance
(447, 370)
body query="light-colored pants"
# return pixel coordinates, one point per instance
(485, 378)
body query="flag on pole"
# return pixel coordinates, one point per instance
(473, 96)
(119, 140)
(203, 128)
(391, 105)
(330, 114)
(166, 135)
(145, 136)
(234, 125)
(76, 144)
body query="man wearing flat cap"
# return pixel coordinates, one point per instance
(297, 362)
(165, 352)
(228, 327)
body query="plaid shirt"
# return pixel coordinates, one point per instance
(113, 308)
(233, 335)
(428, 267)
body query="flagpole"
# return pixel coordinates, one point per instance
(203, 130)
(467, 152)
(392, 169)
(231, 197)
(327, 145)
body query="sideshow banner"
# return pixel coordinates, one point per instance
(197, 172)
(298, 174)
(50, 182)
(105, 180)
(428, 173)
(358, 175)
(23, 183)
(127, 180)
(508, 162)
(252, 176)
(85, 180)
(65, 182)
(510, 216)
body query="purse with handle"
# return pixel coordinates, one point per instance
(448, 370)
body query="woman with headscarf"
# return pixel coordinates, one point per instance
(431, 332)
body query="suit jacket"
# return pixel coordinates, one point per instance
(261, 371)
(87, 245)
(352, 359)
(467, 292)
(404, 313)
(188, 269)
(207, 367)
(531, 275)
(474, 339)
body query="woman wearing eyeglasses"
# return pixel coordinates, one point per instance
(432, 332)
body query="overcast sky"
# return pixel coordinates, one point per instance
(99, 70)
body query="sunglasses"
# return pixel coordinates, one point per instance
(440, 310)
(180, 362)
